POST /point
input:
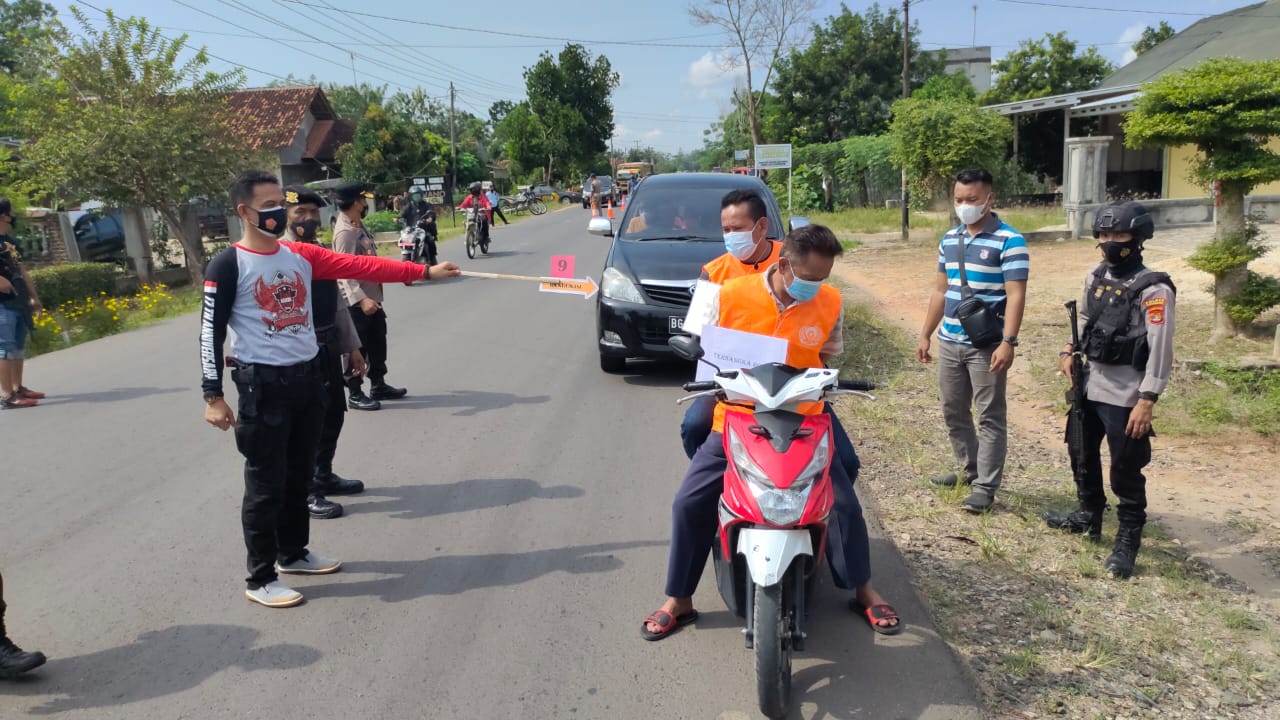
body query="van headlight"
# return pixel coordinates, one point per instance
(616, 286)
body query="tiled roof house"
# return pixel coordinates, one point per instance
(297, 124)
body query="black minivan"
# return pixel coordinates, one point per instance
(670, 229)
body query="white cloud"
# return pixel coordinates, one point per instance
(710, 74)
(1131, 35)
(653, 134)
(620, 131)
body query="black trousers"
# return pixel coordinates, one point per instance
(335, 413)
(372, 330)
(497, 212)
(281, 414)
(2, 608)
(1128, 458)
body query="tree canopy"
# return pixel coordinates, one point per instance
(387, 151)
(844, 81)
(1153, 36)
(935, 139)
(124, 120)
(1048, 66)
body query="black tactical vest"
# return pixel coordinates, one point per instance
(1115, 333)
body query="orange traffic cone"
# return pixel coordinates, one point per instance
(622, 203)
(610, 214)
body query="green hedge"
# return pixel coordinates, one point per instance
(74, 281)
(383, 221)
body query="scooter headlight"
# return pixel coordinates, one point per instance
(779, 507)
(816, 465)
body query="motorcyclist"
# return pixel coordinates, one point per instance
(477, 199)
(419, 213)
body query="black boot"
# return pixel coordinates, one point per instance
(322, 508)
(14, 662)
(360, 401)
(1125, 554)
(383, 391)
(330, 483)
(1076, 522)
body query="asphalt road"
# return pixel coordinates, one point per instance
(513, 535)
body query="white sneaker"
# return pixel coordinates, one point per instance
(274, 594)
(310, 564)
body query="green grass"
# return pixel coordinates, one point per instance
(867, 221)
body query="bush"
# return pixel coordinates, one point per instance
(384, 221)
(1259, 294)
(74, 281)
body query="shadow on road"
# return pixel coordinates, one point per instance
(158, 663)
(469, 402)
(412, 502)
(116, 395)
(658, 373)
(455, 574)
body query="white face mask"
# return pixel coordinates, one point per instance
(970, 214)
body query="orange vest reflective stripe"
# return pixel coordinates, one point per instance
(747, 305)
(727, 267)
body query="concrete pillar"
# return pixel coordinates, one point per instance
(1084, 180)
(137, 243)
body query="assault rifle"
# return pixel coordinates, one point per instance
(1075, 396)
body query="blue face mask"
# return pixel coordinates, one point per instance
(740, 244)
(803, 290)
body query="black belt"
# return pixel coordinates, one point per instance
(249, 372)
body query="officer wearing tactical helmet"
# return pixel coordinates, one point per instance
(1126, 333)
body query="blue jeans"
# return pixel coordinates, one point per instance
(13, 333)
(696, 426)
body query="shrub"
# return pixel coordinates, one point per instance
(74, 281)
(384, 221)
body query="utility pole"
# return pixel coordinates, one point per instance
(354, 80)
(906, 93)
(453, 150)
(973, 42)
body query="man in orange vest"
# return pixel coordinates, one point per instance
(789, 301)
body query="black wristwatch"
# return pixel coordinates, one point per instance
(1148, 396)
(212, 395)
(1012, 340)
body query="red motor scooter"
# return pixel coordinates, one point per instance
(774, 506)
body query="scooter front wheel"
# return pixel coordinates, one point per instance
(773, 621)
(471, 243)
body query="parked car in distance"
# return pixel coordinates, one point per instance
(569, 196)
(670, 229)
(213, 222)
(99, 235)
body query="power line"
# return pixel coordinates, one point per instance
(487, 31)
(232, 63)
(1133, 11)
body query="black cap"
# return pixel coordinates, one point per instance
(302, 195)
(351, 192)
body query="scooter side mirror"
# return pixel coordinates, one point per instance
(797, 222)
(686, 346)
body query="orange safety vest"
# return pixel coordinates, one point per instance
(727, 267)
(747, 305)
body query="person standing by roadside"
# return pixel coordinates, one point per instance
(14, 661)
(994, 259)
(260, 287)
(337, 336)
(492, 196)
(18, 302)
(593, 187)
(1126, 335)
(363, 298)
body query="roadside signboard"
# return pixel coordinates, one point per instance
(741, 154)
(773, 157)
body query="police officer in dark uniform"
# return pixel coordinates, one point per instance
(1126, 330)
(14, 660)
(419, 211)
(337, 336)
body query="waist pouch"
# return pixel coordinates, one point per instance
(983, 326)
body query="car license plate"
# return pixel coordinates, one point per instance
(677, 322)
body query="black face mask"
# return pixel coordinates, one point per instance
(1122, 258)
(364, 209)
(306, 230)
(272, 221)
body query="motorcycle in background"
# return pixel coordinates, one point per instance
(476, 224)
(418, 244)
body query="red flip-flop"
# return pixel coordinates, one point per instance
(876, 613)
(666, 623)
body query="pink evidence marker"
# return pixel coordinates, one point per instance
(561, 266)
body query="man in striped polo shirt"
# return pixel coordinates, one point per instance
(996, 266)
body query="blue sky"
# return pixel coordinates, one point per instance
(669, 93)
